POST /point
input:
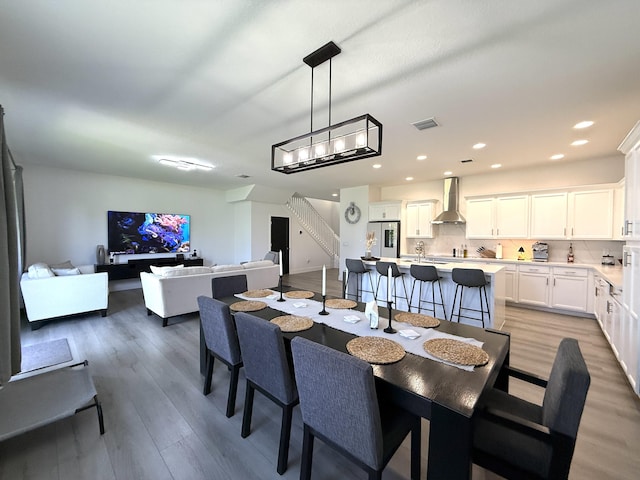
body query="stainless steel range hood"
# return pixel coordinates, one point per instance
(450, 212)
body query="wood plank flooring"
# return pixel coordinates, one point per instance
(160, 426)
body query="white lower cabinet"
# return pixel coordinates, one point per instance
(511, 283)
(569, 289)
(629, 354)
(563, 288)
(533, 285)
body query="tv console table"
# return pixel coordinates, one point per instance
(132, 269)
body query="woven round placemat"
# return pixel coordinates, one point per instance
(293, 323)
(247, 306)
(417, 319)
(299, 294)
(340, 303)
(455, 351)
(257, 293)
(376, 350)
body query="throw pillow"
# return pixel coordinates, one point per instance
(161, 270)
(66, 265)
(40, 270)
(65, 272)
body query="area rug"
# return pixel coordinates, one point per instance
(45, 354)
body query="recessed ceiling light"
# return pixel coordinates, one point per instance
(377, 165)
(421, 157)
(408, 179)
(557, 156)
(496, 165)
(577, 143)
(479, 146)
(334, 194)
(448, 173)
(584, 124)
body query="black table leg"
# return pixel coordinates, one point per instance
(449, 445)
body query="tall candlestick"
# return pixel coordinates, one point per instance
(346, 282)
(389, 280)
(280, 261)
(324, 280)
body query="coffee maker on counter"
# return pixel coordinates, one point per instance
(540, 252)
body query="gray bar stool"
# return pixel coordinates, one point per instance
(383, 270)
(470, 278)
(357, 267)
(427, 274)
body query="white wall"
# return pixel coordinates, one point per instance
(304, 253)
(330, 211)
(66, 218)
(352, 236)
(66, 213)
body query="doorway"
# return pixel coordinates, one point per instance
(280, 239)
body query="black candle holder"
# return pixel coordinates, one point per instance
(324, 310)
(389, 328)
(281, 299)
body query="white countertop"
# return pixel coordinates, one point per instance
(443, 265)
(611, 273)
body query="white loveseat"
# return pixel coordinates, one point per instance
(68, 291)
(174, 290)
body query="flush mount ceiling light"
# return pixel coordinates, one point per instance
(182, 163)
(355, 139)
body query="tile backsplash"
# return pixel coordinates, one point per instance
(448, 237)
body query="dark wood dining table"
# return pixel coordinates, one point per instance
(445, 395)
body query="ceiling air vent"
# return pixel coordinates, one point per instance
(424, 124)
(467, 160)
(242, 175)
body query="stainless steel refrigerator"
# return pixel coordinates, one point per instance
(387, 239)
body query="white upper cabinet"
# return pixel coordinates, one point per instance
(381, 211)
(631, 194)
(618, 211)
(498, 217)
(512, 217)
(479, 215)
(549, 215)
(419, 216)
(591, 214)
(574, 215)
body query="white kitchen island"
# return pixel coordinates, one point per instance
(495, 289)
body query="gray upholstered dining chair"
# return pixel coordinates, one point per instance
(340, 406)
(221, 287)
(518, 439)
(267, 370)
(221, 342)
(226, 286)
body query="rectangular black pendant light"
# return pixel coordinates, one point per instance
(354, 139)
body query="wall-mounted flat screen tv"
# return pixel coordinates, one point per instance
(133, 233)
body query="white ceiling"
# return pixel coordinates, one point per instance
(103, 85)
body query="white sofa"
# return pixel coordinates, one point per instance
(174, 290)
(69, 291)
